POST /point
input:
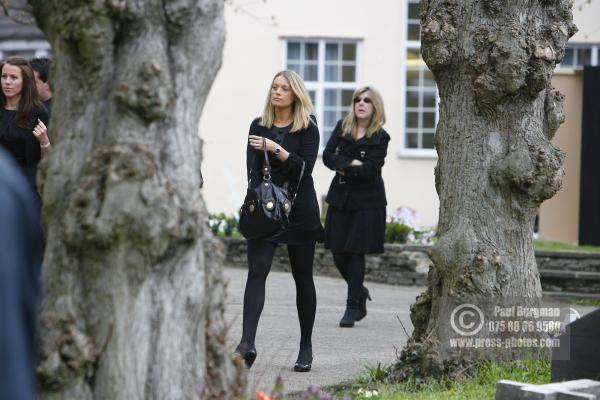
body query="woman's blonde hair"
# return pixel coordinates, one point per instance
(350, 126)
(302, 107)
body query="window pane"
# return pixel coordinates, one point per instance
(412, 98)
(310, 72)
(349, 52)
(347, 99)
(414, 32)
(413, 54)
(428, 79)
(413, 10)
(429, 98)
(584, 57)
(311, 51)
(330, 118)
(313, 95)
(412, 78)
(412, 140)
(331, 98)
(332, 73)
(293, 51)
(294, 67)
(428, 141)
(567, 61)
(348, 73)
(331, 51)
(412, 119)
(428, 120)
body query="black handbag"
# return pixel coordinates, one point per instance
(267, 207)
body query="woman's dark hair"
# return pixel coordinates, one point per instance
(30, 100)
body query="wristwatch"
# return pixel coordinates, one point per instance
(277, 150)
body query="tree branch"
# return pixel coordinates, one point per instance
(23, 18)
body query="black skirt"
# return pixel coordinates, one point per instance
(358, 232)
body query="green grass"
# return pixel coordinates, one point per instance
(480, 386)
(550, 245)
(587, 302)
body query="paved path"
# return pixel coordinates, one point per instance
(339, 353)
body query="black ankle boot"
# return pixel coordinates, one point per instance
(350, 314)
(247, 352)
(304, 362)
(362, 304)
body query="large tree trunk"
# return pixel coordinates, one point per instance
(493, 63)
(133, 293)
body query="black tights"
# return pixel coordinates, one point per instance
(260, 257)
(352, 268)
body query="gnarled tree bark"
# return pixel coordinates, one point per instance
(133, 292)
(493, 62)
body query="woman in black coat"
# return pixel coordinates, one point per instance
(292, 139)
(355, 223)
(23, 118)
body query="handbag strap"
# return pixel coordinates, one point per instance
(266, 170)
(299, 180)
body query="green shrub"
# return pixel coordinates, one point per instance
(222, 225)
(396, 232)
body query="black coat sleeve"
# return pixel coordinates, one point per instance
(33, 153)
(308, 151)
(253, 157)
(332, 160)
(371, 165)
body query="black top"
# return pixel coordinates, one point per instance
(48, 105)
(302, 145)
(362, 186)
(21, 143)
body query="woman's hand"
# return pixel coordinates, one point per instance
(41, 134)
(356, 163)
(256, 142)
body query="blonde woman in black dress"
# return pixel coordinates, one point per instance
(292, 139)
(355, 222)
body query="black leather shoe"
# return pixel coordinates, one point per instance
(362, 304)
(249, 355)
(304, 362)
(350, 314)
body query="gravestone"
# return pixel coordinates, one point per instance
(578, 356)
(571, 390)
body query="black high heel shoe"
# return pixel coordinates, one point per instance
(362, 304)
(248, 354)
(304, 362)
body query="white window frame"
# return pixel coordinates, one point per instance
(321, 85)
(41, 47)
(404, 151)
(594, 58)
